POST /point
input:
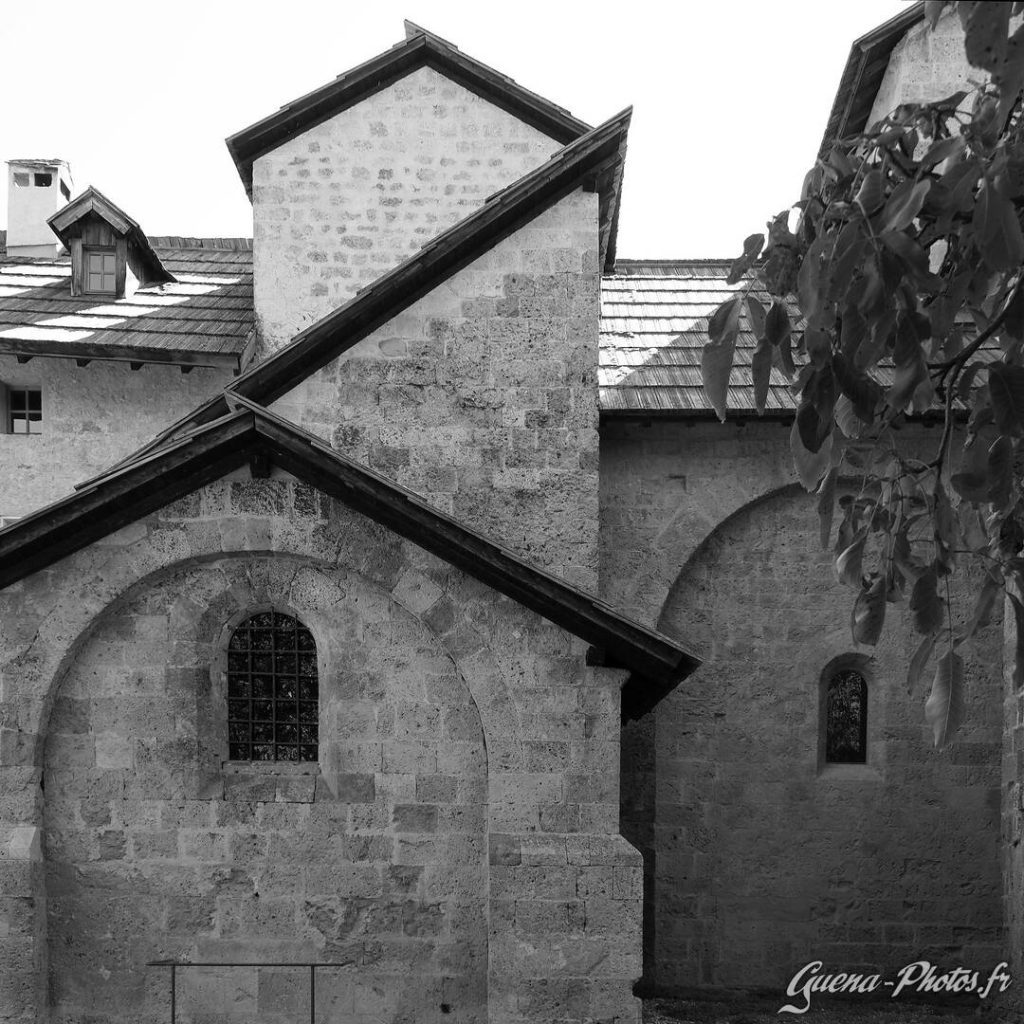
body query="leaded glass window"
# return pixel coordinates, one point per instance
(273, 690)
(846, 720)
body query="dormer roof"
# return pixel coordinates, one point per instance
(93, 201)
(420, 48)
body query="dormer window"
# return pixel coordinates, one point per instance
(100, 271)
(110, 255)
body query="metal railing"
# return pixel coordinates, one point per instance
(176, 965)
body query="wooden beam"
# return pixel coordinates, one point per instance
(25, 349)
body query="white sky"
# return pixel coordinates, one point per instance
(730, 98)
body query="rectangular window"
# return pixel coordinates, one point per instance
(64, 190)
(100, 272)
(21, 179)
(43, 180)
(24, 410)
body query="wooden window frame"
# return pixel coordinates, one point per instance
(8, 407)
(101, 250)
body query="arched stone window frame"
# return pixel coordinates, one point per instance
(213, 719)
(873, 764)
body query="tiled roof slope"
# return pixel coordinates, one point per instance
(654, 317)
(204, 318)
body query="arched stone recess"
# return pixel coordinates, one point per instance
(759, 856)
(157, 847)
(548, 757)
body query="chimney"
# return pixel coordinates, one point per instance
(36, 190)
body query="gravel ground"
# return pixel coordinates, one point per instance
(766, 1011)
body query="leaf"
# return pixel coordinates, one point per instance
(1006, 386)
(871, 192)
(869, 613)
(785, 357)
(997, 229)
(906, 380)
(715, 365)
(985, 35)
(942, 149)
(761, 371)
(827, 505)
(724, 324)
(810, 466)
(849, 563)
(925, 604)
(1000, 472)
(812, 428)
(905, 204)
(1018, 650)
(944, 708)
(919, 662)
(752, 246)
(776, 323)
(756, 313)
(809, 278)
(983, 607)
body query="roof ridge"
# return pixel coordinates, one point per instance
(366, 79)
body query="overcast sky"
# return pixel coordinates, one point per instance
(730, 99)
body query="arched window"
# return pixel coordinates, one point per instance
(273, 698)
(846, 718)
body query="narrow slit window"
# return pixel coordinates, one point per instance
(846, 718)
(24, 411)
(64, 190)
(101, 272)
(273, 691)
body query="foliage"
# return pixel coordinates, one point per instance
(906, 270)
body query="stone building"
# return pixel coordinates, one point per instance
(341, 564)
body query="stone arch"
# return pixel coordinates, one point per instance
(35, 673)
(779, 855)
(211, 873)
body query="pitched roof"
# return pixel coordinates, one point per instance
(92, 200)
(420, 49)
(862, 76)
(593, 160)
(204, 318)
(654, 318)
(247, 431)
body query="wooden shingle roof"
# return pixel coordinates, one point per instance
(203, 318)
(654, 318)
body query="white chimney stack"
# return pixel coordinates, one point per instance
(36, 190)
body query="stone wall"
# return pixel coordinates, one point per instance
(347, 200)
(469, 769)
(758, 856)
(93, 416)
(482, 395)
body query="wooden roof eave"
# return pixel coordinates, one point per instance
(625, 644)
(39, 540)
(82, 350)
(66, 526)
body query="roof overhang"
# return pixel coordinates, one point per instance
(247, 433)
(862, 76)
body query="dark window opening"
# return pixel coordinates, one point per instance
(42, 180)
(64, 190)
(273, 691)
(846, 718)
(100, 272)
(24, 411)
